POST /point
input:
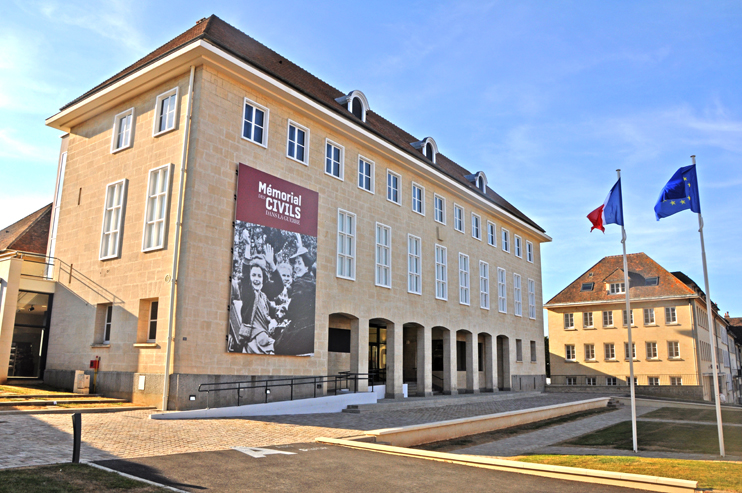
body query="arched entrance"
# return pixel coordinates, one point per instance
(503, 363)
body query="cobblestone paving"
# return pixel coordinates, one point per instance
(46, 439)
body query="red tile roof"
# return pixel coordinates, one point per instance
(30, 234)
(216, 31)
(610, 269)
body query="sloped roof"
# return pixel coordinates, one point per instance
(30, 234)
(735, 327)
(640, 267)
(216, 31)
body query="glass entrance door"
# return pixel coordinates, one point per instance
(30, 335)
(377, 352)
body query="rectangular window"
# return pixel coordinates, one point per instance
(165, 109)
(346, 267)
(383, 256)
(392, 187)
(670, 315)
(654, 381)
(476, 227)
(608, 319)
(676, 381)
(519, 350)
(491, 234)
(334, 158)
(517, 299)
(418, 199)
(649, 316)
(505, 240)
(651, 350)
(414, 265)
(529, 251)
(532, 299)
(628, 381)
(458, 218)
(107, 325)
(441, 273)
(571, 381)
(610, 350)
(518, 247)
(156, 208)
(626, 350)
(569, 321)
(297, 143)
(502, 297)
(617, 288)
(152, 327)
(255, 123)
(611, 381)
(587, 319)
(484, 285)
(440, 209)
(673, 349)
(587, 286)
(365, 174)
(591, 381)
(624, 318)
(463, 279)
(113, 217)
(589, 352)
(122, 127)
(533, 352)
(569, 352)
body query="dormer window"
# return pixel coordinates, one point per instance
(428, 147)
(356, 103)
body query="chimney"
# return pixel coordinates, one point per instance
(726, 315)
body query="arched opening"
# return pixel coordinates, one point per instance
(429, 151)
(339, 347)
(357, 108)
(377, 349)
(443, 361)
(487, 362)
(503, 363)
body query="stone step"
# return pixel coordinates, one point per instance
(54, 402)
(49, 396)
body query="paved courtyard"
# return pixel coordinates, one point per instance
(47, 438)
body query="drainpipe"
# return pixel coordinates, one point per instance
(176, 246)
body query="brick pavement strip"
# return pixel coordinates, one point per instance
(46, 439)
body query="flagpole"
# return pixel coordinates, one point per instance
(628, 324)
(712, 335)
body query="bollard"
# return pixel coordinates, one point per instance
(77, 433)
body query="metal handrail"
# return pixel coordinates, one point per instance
(436, 377)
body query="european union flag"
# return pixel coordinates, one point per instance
(680, 193)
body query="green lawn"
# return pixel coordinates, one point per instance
(68, 478)
(664, 437)
(682, 414)
(725, 476)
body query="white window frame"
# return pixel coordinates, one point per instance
(389, 189)
(587, 320)
(505, 240)
(380, 248)
(502, 290)
(673, 315)
(458, 220)
(609, 355)
(569, 321)
(441, 273)
(484, 285)
(529, 251)
(676, 381)
(630, 317)
(569, 352)
(156, 132)
(589, 352)
(129, 137)
(341, 163)
(464, 280)
(348, 241)
(591, 381)
(617, 288)
(608, 314)
(160, 195)
(649, 318)
(117, 230)
(652, 352)
(611, 381)
(518, 244)
(476, 226)
(372, 171)
(304, 129)
(266, 120)
(531, 299)
(422, 198)
(653, 381)
(491, 234)
(626, 350)
(107, 324)
(673, 347)
(437, 197)
(518, 295)
(414, 265)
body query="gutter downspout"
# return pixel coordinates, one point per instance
(176, 246)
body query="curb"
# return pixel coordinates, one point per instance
(135, 478)
(626, 480)
(84, 410)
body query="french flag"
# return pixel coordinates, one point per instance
(611, 212)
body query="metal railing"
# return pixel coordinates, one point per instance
(329, 384)
(649, 379)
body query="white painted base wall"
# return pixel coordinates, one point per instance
(380, 390)
(329, 404)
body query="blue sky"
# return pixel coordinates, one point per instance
(548, 98)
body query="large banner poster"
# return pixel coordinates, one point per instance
(274, 266)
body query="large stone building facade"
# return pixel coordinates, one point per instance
(422, 271)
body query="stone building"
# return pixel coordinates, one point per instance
(588, 340)
(423, 272)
